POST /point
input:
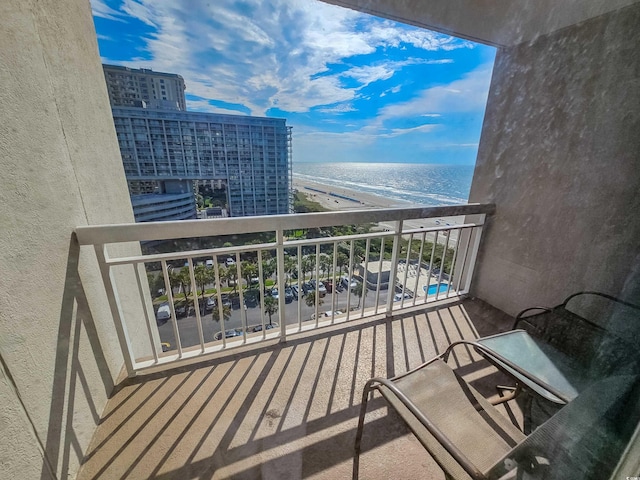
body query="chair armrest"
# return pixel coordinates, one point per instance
(454, 451)
(520, 317)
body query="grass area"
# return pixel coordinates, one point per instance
(302, 204)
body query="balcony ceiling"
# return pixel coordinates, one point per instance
(493, 22)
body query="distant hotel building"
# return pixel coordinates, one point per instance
(129, 87)
(165, 149)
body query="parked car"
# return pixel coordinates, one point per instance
(230, 261)
(288, 295)
(209, 263)
(252, 298)
(226, 301)
(307, 287)
(327, 314)
(166, 346)
(181, 310)
(258, 328)
(345, 282)
(164, 313)
(322, 290)
(236, 332)
(211, 303)
(398, 296)
(329, 286)
(275, 294)
(294, 290)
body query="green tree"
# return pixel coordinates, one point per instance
(270, 307)
(326, 261)
(310, 299)
(359, 291)
(226, 313)
(203, 276)
(268, 269)
(342, 261)
(231, 276)
(249, 270)
(156, 283)
(290, 266)
(180, 279)
(308, 264)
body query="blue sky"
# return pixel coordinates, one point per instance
(354, 87)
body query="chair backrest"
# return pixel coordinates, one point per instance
(585, 438)
(596, 330)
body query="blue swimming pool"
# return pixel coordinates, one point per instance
(435, 288)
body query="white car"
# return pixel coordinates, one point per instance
(345, 283)
(230, 261)
(398, 296)
(163, 313)
(327, 314)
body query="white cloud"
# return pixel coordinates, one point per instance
(342, 108)
(267, 54)
(203, 105)
(102, 10)
(467, 94)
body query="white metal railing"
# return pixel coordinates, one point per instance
(210, 301)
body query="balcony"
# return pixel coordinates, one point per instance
(557, 156)
(288, 410)
(286, 399)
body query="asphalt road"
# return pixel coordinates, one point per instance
(188, 327)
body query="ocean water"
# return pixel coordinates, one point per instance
(416, 183)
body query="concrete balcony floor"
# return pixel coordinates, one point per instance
(289, 410)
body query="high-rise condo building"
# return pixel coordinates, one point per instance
(130, 87)
(250, 155)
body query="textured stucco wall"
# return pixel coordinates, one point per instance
(61, 168)
(560, 157)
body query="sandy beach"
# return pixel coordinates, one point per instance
(340, 198)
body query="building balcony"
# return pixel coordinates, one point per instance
(272, 400)
(288, 409)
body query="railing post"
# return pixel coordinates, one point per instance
(116, 308)
(281, 273)
(474, 246)
(395, 256)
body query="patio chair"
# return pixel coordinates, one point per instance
(597, 333)
(589, 336)
(469, 438)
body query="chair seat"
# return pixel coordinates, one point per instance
(466, 418)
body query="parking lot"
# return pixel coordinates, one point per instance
(188, 329)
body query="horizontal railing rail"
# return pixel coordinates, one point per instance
(103, 234)
(197, 314)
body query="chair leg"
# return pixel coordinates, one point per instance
(357, 447)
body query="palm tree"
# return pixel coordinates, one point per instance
(325, 264)
(180, 279)
(308, 265)
(359, 291)
(156, 283)
(185, 282)
(268, 268)
(249, 270)
(290, 266)
(270, 307)
(342, 261)
(310, 299)
(231, 275)
(226, 313)
(203, 276)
